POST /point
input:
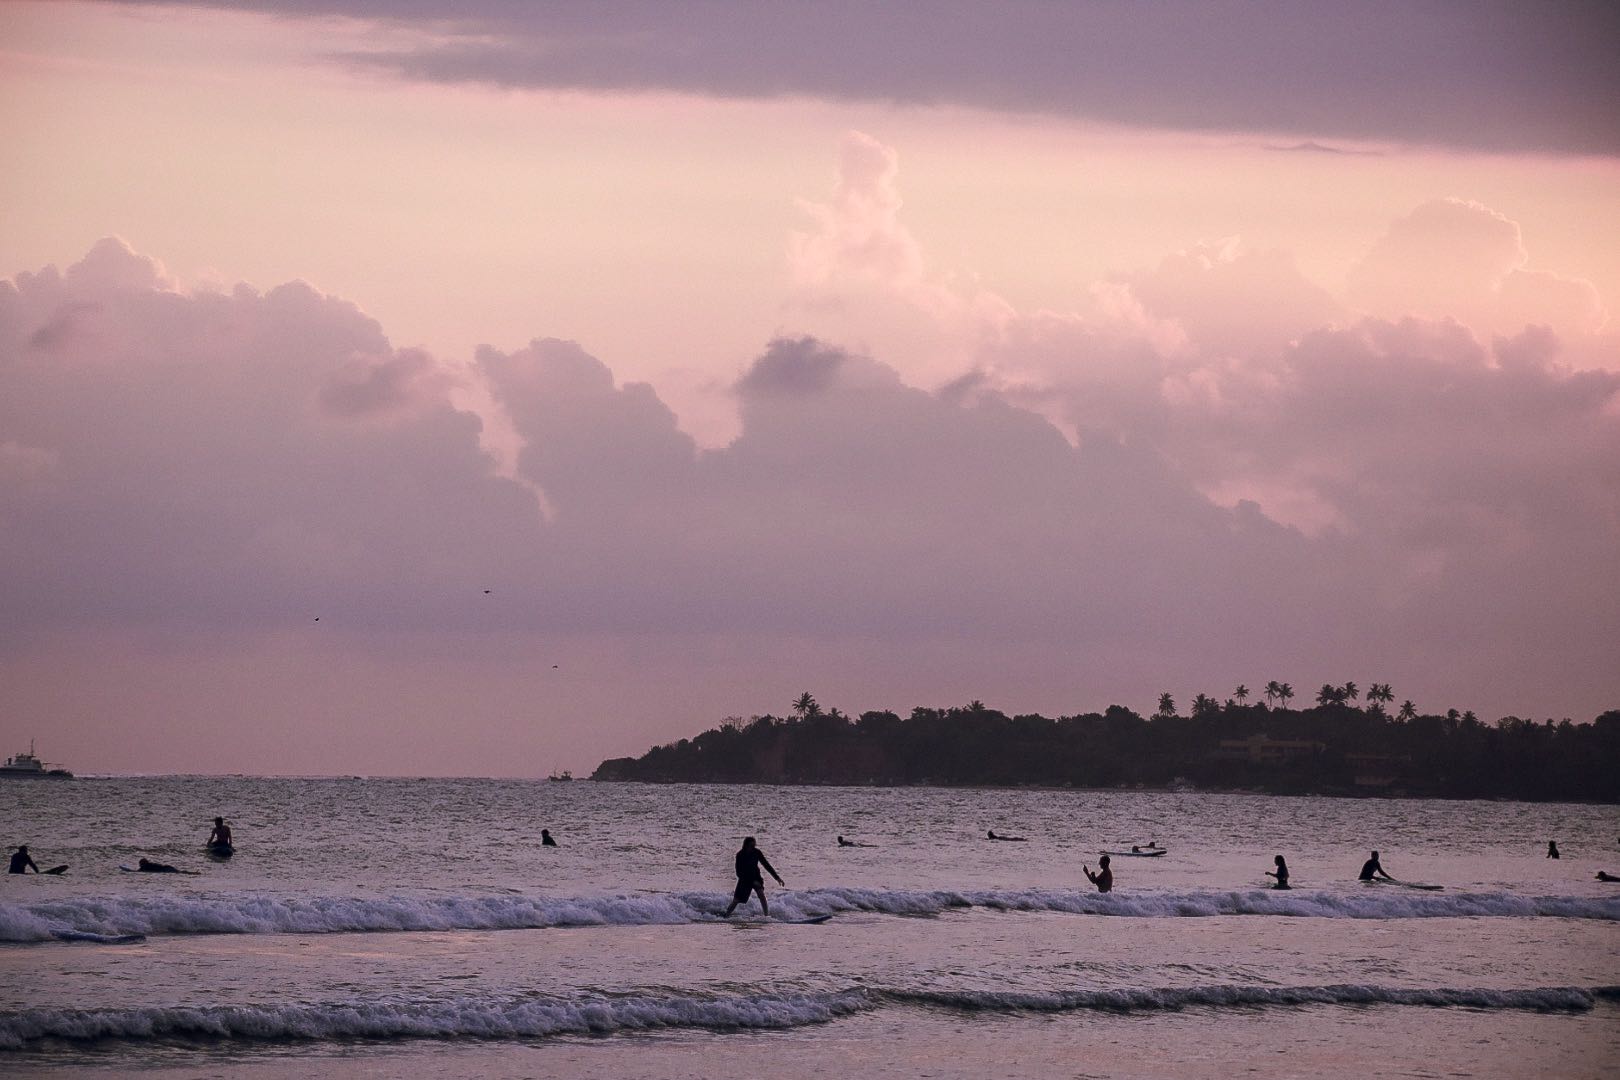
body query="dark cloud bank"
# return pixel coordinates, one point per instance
(1478, 74)
(241, 460)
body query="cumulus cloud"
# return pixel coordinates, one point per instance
(1494, 75)
(1460, 259)
(248, 460)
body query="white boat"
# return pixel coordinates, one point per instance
(27, 765)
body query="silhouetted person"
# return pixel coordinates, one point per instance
(1014, 839)
(220, 836)
(851, 843)
(1552, 849)
(147, 866)
(1602, 875)
(22, 862)
(1373, 866)
(545, 838)
(749, 880)
(1103, 878)
(1281, 873)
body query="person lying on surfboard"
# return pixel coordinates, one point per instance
(21, 861)
(1103, 878)
(147, 866)
(1014, 839)
(852, 843)
(1281, 873)
(1373, 866)
(749, 880)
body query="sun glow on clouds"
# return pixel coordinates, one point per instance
(720, 396)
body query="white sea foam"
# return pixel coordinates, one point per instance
(258, 913)
(484, 1016)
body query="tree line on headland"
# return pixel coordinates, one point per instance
(1336, 747)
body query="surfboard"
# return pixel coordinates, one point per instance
(99, 939)
(814, 920)
(138, 870)
(1138, 854)
(56, 869)
(1404, 884)
(221, 851)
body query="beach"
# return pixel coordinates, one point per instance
(391, 927)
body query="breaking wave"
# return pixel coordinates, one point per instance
(271, 914)
(485, 1016)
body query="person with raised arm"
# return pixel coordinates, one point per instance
(1103, 878)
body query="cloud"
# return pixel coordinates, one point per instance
(1461, 259)
(240, 463)
(1497, 75)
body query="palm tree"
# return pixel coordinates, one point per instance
(1380, 693)
(1408, 711)
(1285, 693)
(1241, 693)
(1167, 704)
(806, 706)
(1329, 695)
(1273, 690)
(1351, 691)
(1203, 705)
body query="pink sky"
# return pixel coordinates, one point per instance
(1096, 351)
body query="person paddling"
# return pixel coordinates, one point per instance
(1013, 839)
(749, 880)
(147, 866)
(22, 862)
(1371, 867)
(1281, 873)
(1103, 878)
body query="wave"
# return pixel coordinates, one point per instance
(495, 1017)
(270, 914)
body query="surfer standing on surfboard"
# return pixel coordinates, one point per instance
(1373, 866)
(749, 880)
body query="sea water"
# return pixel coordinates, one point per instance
(398, 927)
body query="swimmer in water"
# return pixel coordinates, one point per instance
(1281, 873)
(1103, 878)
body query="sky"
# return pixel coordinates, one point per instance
(487, 388)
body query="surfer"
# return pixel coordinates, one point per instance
(749, 880)
(1281, 873)
(852, 843)
(1602, 875)
(1552, 849)
(21, 861)
(1103, 878)
(147, 866)
(220, 836)
(1013, 839)
(1373, 866)
(545, 838)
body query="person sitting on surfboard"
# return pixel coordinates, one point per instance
(749, 879)
(545, 838)
(221, 834)
(1103, 878)
(1281, 873)
(21, 861)
(1373, 866)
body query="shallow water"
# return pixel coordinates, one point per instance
(392, 927)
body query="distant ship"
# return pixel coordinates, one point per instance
(564, 775)
(29, 765)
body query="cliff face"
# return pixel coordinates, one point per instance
(1333, 749)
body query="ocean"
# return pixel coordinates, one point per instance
(415, 927)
